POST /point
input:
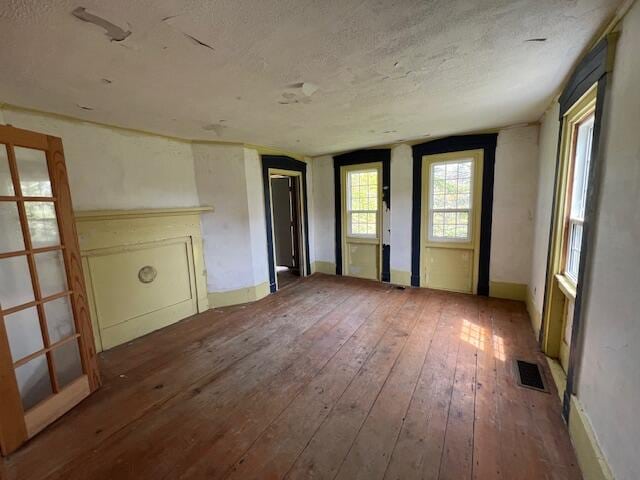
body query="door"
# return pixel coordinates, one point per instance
(282, 189)
(47, 356)
(361, 229)
(452, 193)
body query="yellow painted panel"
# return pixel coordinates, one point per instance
(399, 277)
(363, 260)
(324, 267)
(449, 269)
(121, 296)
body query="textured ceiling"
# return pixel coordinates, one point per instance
(303, 75)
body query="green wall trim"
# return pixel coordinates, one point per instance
(239, 296)
(510, 291)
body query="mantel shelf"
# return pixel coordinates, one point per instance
(90, 215)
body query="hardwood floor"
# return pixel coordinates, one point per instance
(330, 378)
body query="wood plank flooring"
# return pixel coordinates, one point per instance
(329, 378)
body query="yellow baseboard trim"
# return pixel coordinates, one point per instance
(324, 267)
(590, 458)
(236, 297)
(509, 291)
(534, 314)
(399, 277)
(558, 375)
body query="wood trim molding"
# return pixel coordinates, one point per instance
(486, 142)
(284, 163)
(382, 155)
(90, 215)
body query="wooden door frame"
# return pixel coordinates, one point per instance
(379, 155)
(291, 167)
(485, 142)
(476, 194)
(16, 425)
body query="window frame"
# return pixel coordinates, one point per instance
(570, 219)
(349, 212)
(470, 211)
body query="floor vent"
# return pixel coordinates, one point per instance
(530, 376)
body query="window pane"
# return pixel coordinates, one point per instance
(362, 202)
(451, 189)
(50, 267)
(573, 250)
(33, 381)
(59, 319)
(15, 282)
(68, 365)
(10, 231)
(23, 330)
(363, 223)
(581, 168)
(6, 185)
(33, 172)
(43, 224)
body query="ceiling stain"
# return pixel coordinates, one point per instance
(114, 32)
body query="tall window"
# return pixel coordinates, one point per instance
(576, 207)
(362, 203)
(450, 200)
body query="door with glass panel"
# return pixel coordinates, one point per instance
(47, 356)
(361, 229)
(451, 199)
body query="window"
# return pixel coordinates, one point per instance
(362, 203)
(576, 207)
(450, 200)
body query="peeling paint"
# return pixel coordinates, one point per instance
(114, 32)
(217, 128)
(197, 42)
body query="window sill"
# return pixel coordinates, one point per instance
(566, 286)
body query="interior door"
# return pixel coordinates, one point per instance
(362, 228)
(452, 194)
(281, 190)
(47, 357)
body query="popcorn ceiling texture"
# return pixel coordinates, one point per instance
(306, 76)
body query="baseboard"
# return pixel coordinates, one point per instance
(509, 291)
(534, 314)
(558, 375)
(592, 462)
(399, 277)
(324, 267)
(236, 297)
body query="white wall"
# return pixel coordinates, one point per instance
(549, 130)
(257, 222)
(609, 380)
(513, 204)
(401, 207)
(324, 209)
(112, 168)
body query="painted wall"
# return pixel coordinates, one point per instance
(609, 381)
(549, 129)
(514, 205)
(113, 168)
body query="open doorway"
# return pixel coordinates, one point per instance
(286, 214)
(285, 202)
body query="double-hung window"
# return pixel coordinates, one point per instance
(577, 200)
(362, 203)
(450, 201)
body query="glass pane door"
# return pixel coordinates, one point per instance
(40, 333)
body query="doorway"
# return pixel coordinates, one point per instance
(452, 195)
(285, 206)
(361, 199)
(286, 218)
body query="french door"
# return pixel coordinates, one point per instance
(47, 356)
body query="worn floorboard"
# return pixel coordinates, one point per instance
(329, 378)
